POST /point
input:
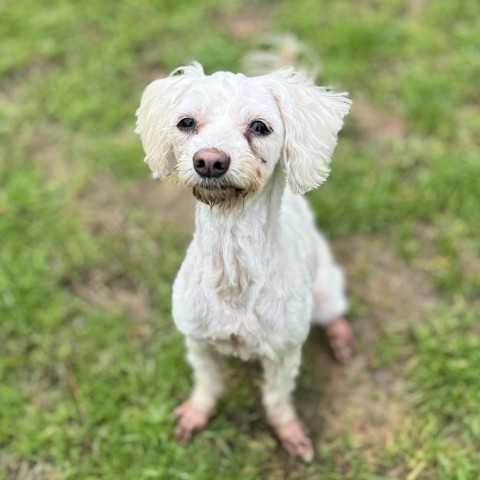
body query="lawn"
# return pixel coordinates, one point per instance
(91, 365)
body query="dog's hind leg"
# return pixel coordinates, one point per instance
(193, 415)
(330, 304)
(279, 382)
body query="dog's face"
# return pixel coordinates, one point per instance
(223, 134)
(226, 135)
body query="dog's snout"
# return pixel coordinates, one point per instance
(210, 162)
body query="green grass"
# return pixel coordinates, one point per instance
(91, 365)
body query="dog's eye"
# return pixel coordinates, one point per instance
(259, 128)
(186, 124)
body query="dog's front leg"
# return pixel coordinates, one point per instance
(193, 414)
(279, 382)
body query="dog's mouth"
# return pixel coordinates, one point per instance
(217, 194)
(225, 191)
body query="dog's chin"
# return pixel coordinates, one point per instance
(225, 196)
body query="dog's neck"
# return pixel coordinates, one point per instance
(236, 242)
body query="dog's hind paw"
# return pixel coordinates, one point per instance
(295, 440)
(191, 418)
(340, 340)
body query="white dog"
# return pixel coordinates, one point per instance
(257, 272)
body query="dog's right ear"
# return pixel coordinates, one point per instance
(154, 117)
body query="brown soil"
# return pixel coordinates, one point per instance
(22, 470)
(376, 125)
(362, 401)
(173, 205)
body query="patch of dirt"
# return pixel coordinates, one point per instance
(16, 469)
(105, 204)
(362, 402)
(253, 21)
(358, 403)
(382, 281)
(375, 125)
(97, 291)
(416, 9)
(173, 205)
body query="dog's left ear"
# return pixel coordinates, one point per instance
(312, 118)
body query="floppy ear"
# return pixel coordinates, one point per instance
(312, 118)
(155, 117)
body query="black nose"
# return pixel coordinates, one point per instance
(210, 162)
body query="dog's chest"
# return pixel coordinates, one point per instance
(258, 321)
(233, 272)
(244, 287)
(236, 346)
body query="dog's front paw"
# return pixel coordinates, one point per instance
(191, 418)
(295, 440)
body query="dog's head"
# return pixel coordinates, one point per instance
(223, 134)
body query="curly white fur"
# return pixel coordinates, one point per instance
(257, 271)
